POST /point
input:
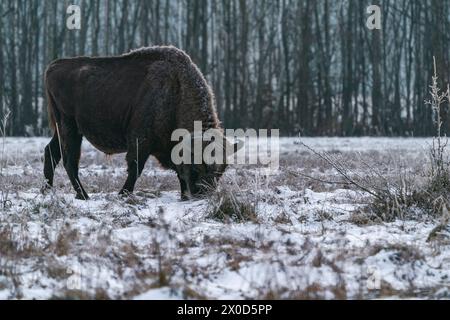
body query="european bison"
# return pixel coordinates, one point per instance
(130, 103)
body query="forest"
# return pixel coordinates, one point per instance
(308, 67)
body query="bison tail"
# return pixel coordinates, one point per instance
(52, 111)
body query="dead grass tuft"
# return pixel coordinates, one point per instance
(228, 203)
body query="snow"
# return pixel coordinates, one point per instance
(159, 294)
(154, 246)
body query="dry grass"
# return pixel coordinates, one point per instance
(229, 203)
(181, 260)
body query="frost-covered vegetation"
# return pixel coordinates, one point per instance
(301, 237)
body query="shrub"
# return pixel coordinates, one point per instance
(406, 194)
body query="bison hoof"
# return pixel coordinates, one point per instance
(82, 197)
(45, 188)
(185, 198)
(125, 193)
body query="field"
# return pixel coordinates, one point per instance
(303, 233)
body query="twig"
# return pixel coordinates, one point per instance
(299, 174)
(341, 171)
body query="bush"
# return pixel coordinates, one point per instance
(406, 195)
(433, 197)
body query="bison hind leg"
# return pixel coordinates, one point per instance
(52, 156)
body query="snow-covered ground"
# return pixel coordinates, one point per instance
(309, 239)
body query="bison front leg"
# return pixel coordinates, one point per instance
(71, 159)
(136, 160)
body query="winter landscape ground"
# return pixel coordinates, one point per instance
(297, 237)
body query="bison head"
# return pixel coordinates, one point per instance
(196, 180)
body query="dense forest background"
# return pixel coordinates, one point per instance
(303, 66)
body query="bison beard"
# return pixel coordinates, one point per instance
(130, 103)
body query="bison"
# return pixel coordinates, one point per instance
(130, 103)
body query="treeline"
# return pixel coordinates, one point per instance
(304, 66)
